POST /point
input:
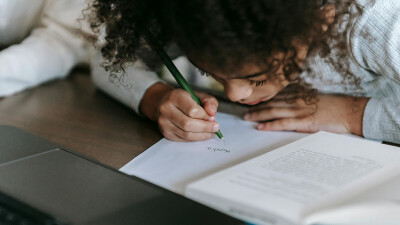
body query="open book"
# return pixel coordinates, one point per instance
(323, 178)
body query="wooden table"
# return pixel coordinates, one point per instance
(74, 114)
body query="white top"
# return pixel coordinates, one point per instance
(374, 50)
(128, 89)
(38, 42)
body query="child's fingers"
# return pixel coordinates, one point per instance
(172, 132)
(181, 119)
(277, 113)
(192, 136)
(174, 120)
(210, 103)
(298, 102)
(288, 124)
(270, 104)
(173, 137)
(184, 102)
(189, 124)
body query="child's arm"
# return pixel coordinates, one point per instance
(178, 116)
(375, 45)
(333, 113)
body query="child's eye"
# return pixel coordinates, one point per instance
(202, 72)
(258, 83)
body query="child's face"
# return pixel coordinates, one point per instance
(250, 85)
(253, 84)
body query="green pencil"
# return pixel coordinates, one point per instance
(175, 72)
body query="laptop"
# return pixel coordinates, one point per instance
(43, 183)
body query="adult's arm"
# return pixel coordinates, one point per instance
(51, 50)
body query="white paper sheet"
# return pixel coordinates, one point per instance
(173, 165)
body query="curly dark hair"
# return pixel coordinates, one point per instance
(226, 33)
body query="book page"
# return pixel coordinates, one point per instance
(377, 205)
(173, 165)
(364, 213)
(288, 181)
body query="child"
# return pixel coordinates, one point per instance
(348, 50)
(38, 42)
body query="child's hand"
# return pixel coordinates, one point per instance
(333, 113)
(178, 115)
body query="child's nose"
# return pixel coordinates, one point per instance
(237, 90)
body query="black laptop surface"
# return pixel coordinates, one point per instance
(41, 183)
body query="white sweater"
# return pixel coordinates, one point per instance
(38, 42)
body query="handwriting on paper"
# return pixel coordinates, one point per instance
(214, 149)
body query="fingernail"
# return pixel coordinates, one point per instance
(246, 116)
(260, 126)
(213, 108)
(216, 127)
(212, 118)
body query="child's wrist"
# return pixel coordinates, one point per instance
(356, 108)
(152, 98)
